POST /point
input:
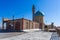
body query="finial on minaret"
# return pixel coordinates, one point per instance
(33, 11)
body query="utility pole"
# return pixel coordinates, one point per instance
(3, 23)
(13, 23)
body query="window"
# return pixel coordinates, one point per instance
(26, 25)
(35, 25)
(32, 25)
(4, 25)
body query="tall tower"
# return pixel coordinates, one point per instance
(33, 12)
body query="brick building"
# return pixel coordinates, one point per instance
(22, 23)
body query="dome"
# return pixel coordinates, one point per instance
(38, 13)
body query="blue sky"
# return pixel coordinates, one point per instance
(23, 8)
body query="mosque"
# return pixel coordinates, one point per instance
(23, 24)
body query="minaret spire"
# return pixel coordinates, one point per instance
(33, 11)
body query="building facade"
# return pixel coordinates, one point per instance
(20, 24)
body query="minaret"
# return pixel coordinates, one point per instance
(33, 11)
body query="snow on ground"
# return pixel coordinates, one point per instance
(35, 35)
(10, 34)
(54, 36)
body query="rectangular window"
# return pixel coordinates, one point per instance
(26, 25)
(32, 25)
